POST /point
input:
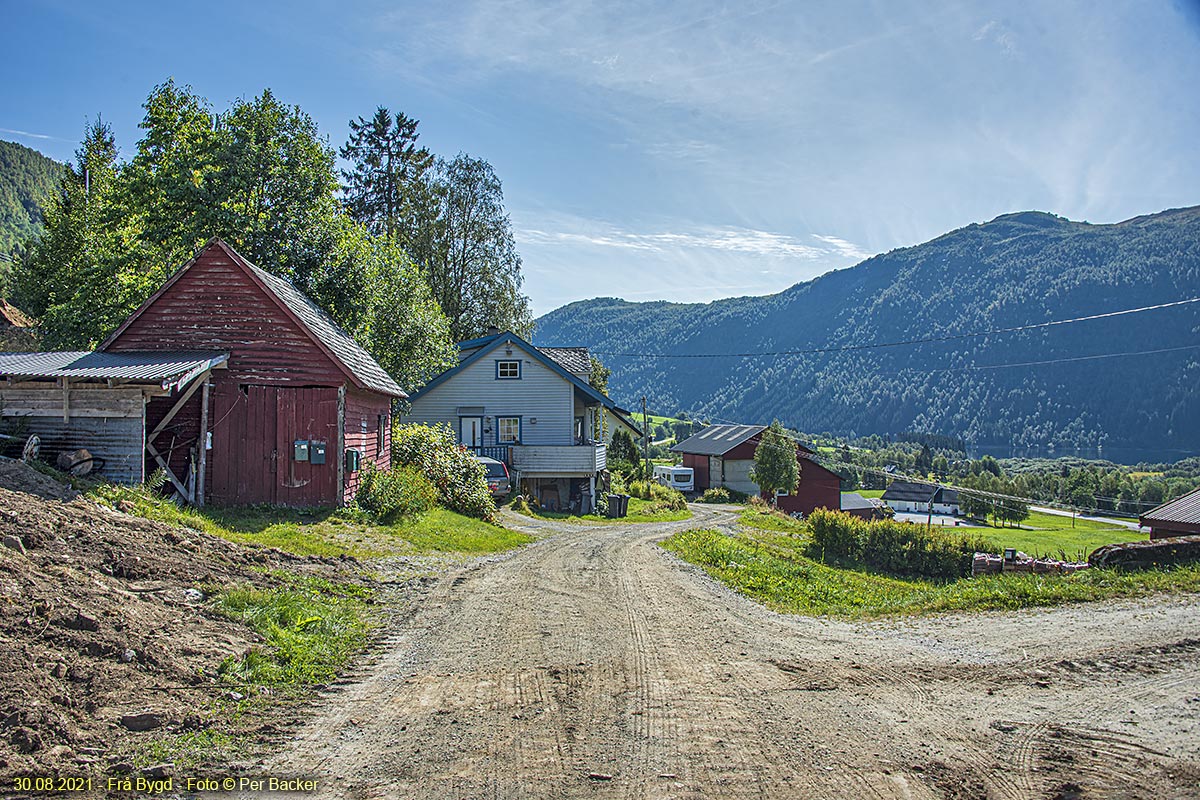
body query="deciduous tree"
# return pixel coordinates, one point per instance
(775, 466)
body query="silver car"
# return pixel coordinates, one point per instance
(497, 476)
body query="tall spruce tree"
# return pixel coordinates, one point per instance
(386, 183)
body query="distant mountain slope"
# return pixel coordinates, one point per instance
(27, 180)
(1017, 269)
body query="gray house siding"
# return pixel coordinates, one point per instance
(542, 399)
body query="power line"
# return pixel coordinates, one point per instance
(925, 340)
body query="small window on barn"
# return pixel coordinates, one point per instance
(782, 492)
(508, 430)
(380, 428)
(508, 370)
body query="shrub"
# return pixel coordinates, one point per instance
(895, 547)
(670, 498)
(723, 494)
(460, 480)
(395, 493)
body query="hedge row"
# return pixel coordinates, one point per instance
(897, 547)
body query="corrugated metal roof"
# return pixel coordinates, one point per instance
(365, 368)
(1185, 509)
(717, 440)
(854, 500)
(575, 360)
(164, 367)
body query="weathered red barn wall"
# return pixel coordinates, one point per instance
(216, 305)
(819, 488)
(699, 465)
(366, 416)
(178, 437)
(1164, 530)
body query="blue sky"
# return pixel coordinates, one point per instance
(682, 151)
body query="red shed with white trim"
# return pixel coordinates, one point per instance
(275, 426)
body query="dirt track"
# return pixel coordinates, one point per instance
(593, 664)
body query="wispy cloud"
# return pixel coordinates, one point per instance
(29, 135)
(733, 240)
(722, 239)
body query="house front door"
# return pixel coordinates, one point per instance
(470, 431)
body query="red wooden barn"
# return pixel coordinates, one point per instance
(723, 455)
(276, 425)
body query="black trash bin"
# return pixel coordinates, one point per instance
(614, 505)
(624, 505)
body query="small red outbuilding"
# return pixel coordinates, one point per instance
(723, 455)
(278, 423)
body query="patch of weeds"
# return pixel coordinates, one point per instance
(310, 633)
(190, 749)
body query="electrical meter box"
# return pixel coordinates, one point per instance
(300, 450)
(353, 460)
(316, 452)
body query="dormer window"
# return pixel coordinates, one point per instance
(508, 370)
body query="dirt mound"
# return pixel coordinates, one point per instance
(105, 624)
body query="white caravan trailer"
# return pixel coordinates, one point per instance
(680, 478)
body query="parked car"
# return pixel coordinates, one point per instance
(497, 476)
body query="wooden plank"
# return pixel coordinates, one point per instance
(340, 445)
(202, 444)
(179, 487)
(191, 390)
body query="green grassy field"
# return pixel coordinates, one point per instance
(1053, 535)
(771, 567)
(1050, 534)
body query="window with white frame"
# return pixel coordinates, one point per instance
(508, 370)
(508, 430)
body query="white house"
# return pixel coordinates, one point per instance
(908, 496)
(531, 408)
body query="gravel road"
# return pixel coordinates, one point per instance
(593, 664)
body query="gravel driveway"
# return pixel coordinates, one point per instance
(594, 664)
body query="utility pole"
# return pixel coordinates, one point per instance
(646, 438)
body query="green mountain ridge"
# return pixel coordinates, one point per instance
(27, 181)
(1018, 269)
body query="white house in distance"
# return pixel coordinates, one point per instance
(911, 497)
(531, 408)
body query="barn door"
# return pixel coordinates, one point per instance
(310, 416)
(244, 455)
(255, 458)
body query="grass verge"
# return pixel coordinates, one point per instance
(772, 568)
(311, 627)
(320, 532)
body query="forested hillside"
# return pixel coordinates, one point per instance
(1015, 270)
(27, 179)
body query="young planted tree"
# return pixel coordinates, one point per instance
(386, 184)
(775, 466)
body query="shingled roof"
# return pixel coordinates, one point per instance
(575, 360)
(363, 370)
(357, 360)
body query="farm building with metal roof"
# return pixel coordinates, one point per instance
(229, 379)
(1179, 517)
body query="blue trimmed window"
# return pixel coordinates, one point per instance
(508, 430)
(508, 370)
